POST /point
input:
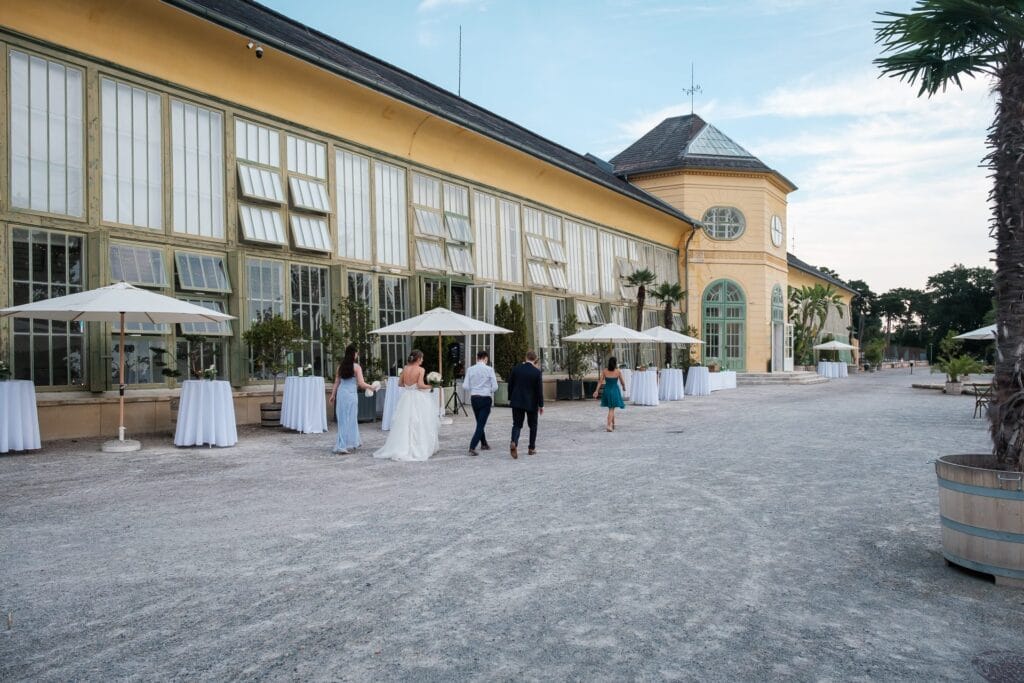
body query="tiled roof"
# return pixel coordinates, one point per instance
(683, 142)
(280, 32)
(794, 262)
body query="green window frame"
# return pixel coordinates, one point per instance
(724, 307)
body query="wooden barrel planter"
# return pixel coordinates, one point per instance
(270, 414)
(982, 516)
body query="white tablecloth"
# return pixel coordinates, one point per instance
(698, 382)
(206, 414)
(391, 394)
(304, 407)
(627, 378)
(726, 379)
(645, 388)
(832, 370)
(19, 421)
(670, 386)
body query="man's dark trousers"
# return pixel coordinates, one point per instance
(518, 415)
(481, 410)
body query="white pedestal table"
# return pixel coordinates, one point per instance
(645, 388)
(670, 385)
(19, 419)
(304, 406)
(206, 414)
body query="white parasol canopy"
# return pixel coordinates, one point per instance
(987, 333)
(834, 346)
(122, 303)
(610, 333)
(440, 322)
(667, 336)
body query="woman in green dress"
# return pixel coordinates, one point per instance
(611, 379)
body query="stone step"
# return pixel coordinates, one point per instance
(763, 378)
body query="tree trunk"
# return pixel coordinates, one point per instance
(1006, 159)
(641, 294)
(668, 326)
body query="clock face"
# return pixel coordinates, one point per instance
(776, 231)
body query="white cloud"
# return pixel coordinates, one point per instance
(431, 5)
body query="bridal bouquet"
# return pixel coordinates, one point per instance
(374, 388)
(434, 379)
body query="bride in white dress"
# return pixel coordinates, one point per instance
(415, 424)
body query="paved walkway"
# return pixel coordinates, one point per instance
(766, 532)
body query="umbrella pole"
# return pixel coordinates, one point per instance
(120, 378)
(440, 371)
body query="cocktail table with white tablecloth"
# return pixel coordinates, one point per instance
(206, 414)
(19, 420)
(832, 370)
(391, 396)
(304, 407)
(670, 385)
(627, 379)
(726, 379)
(645, 388)
(698, 382)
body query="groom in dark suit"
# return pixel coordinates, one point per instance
(526, 396)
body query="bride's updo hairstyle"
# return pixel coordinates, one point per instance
(414, 356)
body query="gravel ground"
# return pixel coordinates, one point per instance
(767, 532)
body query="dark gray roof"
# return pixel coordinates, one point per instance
(280, 32)
(794, 262)
(683, 142)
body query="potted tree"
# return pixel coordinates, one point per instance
(938, 42)
(271, 340)
(873, 354)
(957, 369)
(575, 355)
(511, 348)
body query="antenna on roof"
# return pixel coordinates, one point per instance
(459, 93)
(694, 88)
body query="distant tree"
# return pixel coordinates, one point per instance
(831, 273)
(864, 311)
(959, 299)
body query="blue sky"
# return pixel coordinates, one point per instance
(890, 185)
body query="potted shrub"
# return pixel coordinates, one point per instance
(575, 355)
(873, 353)
(270, 341)
(509, 349)
(957, 369)
(981, 498)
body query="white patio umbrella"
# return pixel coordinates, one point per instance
(441, 322)
(667, 336)
(610, 333)
(987, 333)
(834, 346)
(122, 303)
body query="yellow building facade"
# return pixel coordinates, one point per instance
(224, 154)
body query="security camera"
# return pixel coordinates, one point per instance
(250, 45)
(259, 52)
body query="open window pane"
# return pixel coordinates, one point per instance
(218, 329)
(538, 247)
(261, 225)
(582, 312)
(429, 255)
(428, 222)
(311, 233)
(557, 252)
(458, 227)
(538, 274)
(260, 183)
(201, 272)
(461, 259)
(558, 277)
(137, 265)
(597, 314)
(307, 194)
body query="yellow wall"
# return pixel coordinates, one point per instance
(166, 43)
(751, 260)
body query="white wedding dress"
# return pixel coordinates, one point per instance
(414, 427)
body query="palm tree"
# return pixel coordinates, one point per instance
(641, 279)
(935, 44)
(669, 294)
(808, 310)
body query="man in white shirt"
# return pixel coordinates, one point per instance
(481, 384)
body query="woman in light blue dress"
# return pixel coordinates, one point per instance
(348, 382)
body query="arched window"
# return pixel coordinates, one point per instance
(724, 223)
(778, 305)
(725, 321)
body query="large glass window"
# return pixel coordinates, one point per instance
(47, 147)
(390, 217)
(546, 253)
(393, 307)
(197, 163)
(488, 253)
(725, 315)
(46, 264)
(266, 289)
(310, 306)
(778, 305)
(581, 245)
(723, 222)
(353, 173)
(511, 247)
(201, 272)
(548, 313)
(143, 266)
(132, 168)
(360, 288)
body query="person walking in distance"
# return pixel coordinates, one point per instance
(481, 384)
(526, 396)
